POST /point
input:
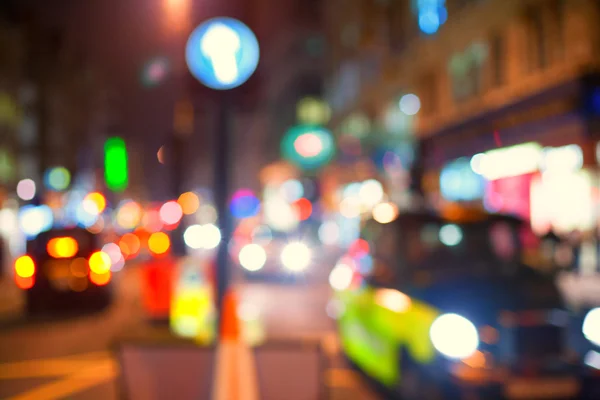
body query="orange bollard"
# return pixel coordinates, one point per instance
(230, 327)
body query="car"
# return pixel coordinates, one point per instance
(432, 308)
(284, 257)
(65, 271)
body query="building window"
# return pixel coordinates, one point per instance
(466, 72)
(497, 59)
(556, 25)
(396, 25)
(536, 43)
(428, 92)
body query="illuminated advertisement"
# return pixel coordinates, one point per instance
(459, 182)
(510, 195)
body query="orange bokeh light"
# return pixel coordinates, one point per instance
(100, 279)
(131, 243)
(24, 283)
(189, 203)
(62, 247)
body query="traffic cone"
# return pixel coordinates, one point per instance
(230, 326)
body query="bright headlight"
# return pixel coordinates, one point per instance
(454, 336)
(591, 326)
(296, 256)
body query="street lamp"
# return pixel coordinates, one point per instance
(222, 53)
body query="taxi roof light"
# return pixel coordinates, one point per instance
(62, 247)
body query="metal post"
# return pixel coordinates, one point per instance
(221, 191)
(177, 172)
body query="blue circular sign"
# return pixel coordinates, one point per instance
(222, 53)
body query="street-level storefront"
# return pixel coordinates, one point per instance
(535, 159)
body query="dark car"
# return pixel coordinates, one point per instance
(437, 309)
(65, 270)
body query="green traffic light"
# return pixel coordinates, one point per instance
(115, 164)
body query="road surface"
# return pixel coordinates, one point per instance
(73, 359)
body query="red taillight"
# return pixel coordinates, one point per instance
(24, 283)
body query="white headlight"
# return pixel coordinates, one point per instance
(454, 336)
(296, 257)
(591, 326)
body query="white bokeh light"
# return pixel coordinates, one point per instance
(341, 276)
(252, 257)
(296, 256)
(451, 235)
(26, 189)
(454, 336)
(410, 104)
(212, 236)
(329, 233)
(371, 192)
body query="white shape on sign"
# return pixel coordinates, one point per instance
(220, 45)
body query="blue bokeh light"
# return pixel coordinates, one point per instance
(429, 20)
(244, 204)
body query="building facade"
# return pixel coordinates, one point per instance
(507, 99)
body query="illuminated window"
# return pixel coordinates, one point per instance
(537, 56)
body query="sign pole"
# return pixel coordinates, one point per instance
(221, 171)
(222, 53)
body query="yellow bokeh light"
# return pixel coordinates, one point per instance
(62, 247)
(25, 267)
(100, 262)
(159, 243)
(94, 203)
(189, 203)
(129, 215)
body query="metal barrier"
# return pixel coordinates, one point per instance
(291, 370)
(165, 369)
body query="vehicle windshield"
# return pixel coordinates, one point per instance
(430, 246)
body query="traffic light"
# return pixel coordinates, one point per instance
(116, 174)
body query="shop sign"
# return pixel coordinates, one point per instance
(459, 182)
(526, 158)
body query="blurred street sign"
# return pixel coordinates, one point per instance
(222, 53)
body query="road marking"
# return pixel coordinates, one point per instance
(51, 367)
(76, 373)
(341, 378)
(235, 369)
(104, 371)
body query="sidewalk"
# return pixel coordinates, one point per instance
(12, 300)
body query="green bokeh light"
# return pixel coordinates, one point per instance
(115, 164)
(308, 146)
(58, 178)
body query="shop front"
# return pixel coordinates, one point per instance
(534, 159)
(537, 160)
